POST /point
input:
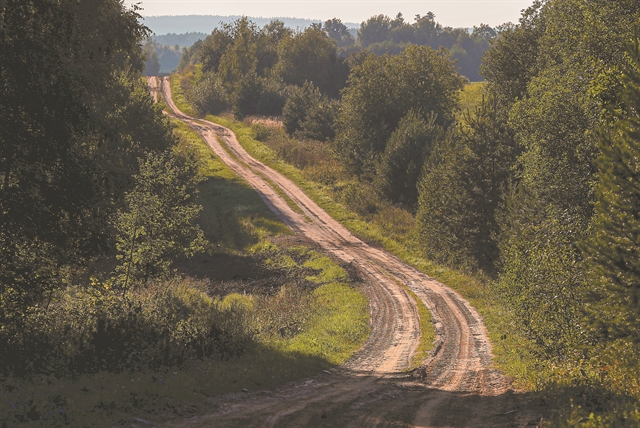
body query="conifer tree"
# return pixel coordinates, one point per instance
(461, 191)
(614, 248)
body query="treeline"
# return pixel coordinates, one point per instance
(538, 189)
(182, 40)
(379, 34)
(256, 71)
(160, 58)
(96, 199)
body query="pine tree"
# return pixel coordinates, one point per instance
(461, 191)
(614, 248)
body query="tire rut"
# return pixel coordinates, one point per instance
(372, 388)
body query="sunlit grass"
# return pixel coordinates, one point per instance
(427, 333)
(471, 96)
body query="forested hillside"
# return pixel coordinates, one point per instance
(534, 191)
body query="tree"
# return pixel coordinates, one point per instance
(62, 65)
(382, 91)
(462, 190)
(374, 30)
(555, 122)
(240, 58)
(156, 223)
(512, 60)
(269, 40)
(211, 49)
(310, 56)
(614, 249)
(338, 32)
(209, 95)
(308, 113)
(403, 160)
(151, 63)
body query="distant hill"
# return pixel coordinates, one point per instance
(178, 24)
(182, 40)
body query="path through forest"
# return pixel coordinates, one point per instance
(457, 385)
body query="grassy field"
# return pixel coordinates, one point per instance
(471, 96)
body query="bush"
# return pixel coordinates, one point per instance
(272, 98)
(209, 95)
(246, 94)
(91, 329)
(309, 114)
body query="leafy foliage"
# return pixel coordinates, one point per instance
(382, 35)
(462, 190)
(308, 113)
(613, 248)
(382, 91)
(403, 160)
(156, 224)
(311, 56)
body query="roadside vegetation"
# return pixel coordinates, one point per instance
(525, 184)
(140, 277)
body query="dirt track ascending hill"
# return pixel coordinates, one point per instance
(458, 386)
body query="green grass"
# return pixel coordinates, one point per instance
(427, 333)
(179, 97)
(471, 96)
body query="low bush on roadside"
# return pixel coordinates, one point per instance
(90, 329)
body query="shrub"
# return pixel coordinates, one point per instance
(93, 328)
(272, 98)
(308, 113)
(209, 95)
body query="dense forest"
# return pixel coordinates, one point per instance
(90, 174)
(535, 191)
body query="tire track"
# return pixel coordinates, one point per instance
(460, 362)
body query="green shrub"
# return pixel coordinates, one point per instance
(209, 95)
(93, 328)
(272, 98)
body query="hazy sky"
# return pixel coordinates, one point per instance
(453, 13)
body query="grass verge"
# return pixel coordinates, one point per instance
(427, 332)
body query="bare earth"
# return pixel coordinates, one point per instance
(456, 386)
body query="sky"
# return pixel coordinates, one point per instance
(452, 13)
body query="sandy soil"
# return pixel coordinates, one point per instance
(456, 386)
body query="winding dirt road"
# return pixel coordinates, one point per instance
(456, 386)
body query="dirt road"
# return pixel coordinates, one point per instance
(457, 385)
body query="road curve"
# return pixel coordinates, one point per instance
(460, 366)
